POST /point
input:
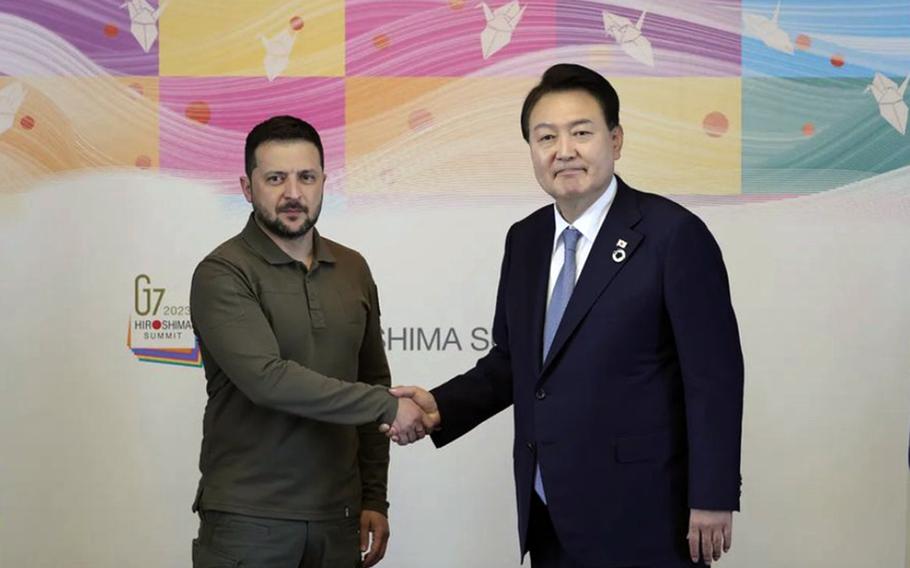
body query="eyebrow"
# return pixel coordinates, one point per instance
(572, 124)
(282, 172)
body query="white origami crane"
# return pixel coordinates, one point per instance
(277, 53)
(143, 21)
(501, 22)
(11, 97)
(769, 31)
(629, 37)
(890, 99)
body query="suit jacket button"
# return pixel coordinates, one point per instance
(531, 446)
(541, 394)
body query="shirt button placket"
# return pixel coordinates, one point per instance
(317, 314)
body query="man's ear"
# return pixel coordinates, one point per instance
(247, 187)
(616, 139)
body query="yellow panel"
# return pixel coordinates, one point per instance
(433, 135)
(682, 135)
(462, 135)
(204, 38)
(68, 123)
(372, 120)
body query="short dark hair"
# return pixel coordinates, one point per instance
(570, 77)
(280, 128)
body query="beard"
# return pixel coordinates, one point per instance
(277, 227)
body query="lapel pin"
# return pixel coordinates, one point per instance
(619, 254)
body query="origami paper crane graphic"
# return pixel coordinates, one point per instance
(629, 37)
(890, 99)
(769, 31)
(500, 25)
(11, 97)
(277, 53)
(143, 21)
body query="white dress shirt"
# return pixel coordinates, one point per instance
(588, 225)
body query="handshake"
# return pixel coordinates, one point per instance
(417, 416)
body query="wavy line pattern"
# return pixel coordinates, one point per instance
(418, 110)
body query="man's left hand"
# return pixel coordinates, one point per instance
(375, 525)
(711, 532)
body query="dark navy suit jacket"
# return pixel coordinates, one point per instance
(636, 415)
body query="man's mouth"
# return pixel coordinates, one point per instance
(570, 171)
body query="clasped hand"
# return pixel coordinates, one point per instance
(417, 416)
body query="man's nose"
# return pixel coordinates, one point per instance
(565, 148)
(293, 188)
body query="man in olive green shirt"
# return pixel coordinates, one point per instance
(293, 466)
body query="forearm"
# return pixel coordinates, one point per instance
(238, 339)
(289, 387)
(373, 454)
(466, 401)
(373, 459)
(711, 363)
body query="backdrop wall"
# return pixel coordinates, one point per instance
(121, 135)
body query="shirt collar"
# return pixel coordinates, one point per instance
(272, 253)
(590, 221)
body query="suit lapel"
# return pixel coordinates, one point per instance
(601, 267)
(538, 275)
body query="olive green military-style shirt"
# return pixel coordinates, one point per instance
(297, 381)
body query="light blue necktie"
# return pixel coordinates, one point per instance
(562, 291)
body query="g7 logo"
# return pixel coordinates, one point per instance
(143, 296)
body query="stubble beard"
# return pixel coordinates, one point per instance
(277, 227)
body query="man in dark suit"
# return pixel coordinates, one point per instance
(616, 342)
